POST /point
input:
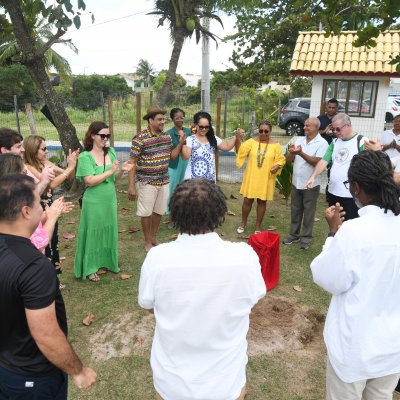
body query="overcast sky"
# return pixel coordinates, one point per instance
(113, 47)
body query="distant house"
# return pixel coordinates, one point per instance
(132, 80)
(191, 79)
(273, 85)
(358, 77)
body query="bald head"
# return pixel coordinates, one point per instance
(311, 127)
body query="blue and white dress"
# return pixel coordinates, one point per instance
(202, 160)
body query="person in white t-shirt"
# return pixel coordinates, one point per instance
(360, 266)
(305, 153)
(340, 153)
(202, 290)
(390, 139)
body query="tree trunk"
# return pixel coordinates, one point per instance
(36, 67)
(173, 64)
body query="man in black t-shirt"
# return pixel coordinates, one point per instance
(35, 355)
(325, 128)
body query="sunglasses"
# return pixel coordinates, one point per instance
(44, 149)
(338, 129)
(204, 126)
(103, 135)
(264, 131)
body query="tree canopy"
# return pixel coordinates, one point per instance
(268, 29)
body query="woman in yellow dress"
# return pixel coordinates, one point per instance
(264, 162)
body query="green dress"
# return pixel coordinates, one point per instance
(177, 167)
(97, 244)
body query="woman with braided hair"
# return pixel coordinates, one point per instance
(360, 266)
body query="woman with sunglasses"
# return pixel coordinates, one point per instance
(97, 244)
(264, 162)
(200, 148)
(35, 157)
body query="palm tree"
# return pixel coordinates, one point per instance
(10, 51)
(146, 71)
(183, 17)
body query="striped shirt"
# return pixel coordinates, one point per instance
(153, 152)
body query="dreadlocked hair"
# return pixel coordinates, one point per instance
(197, 206)
(372, 170)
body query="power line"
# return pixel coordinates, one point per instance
(111, 20)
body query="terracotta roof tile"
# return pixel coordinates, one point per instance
(314, 53)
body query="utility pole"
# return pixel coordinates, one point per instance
(205, 69)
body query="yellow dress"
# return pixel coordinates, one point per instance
(259, 183)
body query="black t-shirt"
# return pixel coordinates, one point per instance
(27, 280)
(325, 121)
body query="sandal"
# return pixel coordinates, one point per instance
(101, 271)
(94, 277)
(240, 230)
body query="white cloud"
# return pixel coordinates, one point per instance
(109, 48)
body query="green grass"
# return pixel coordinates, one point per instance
(296, 375)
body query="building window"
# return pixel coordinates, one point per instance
(356, 98)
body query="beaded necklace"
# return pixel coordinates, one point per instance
(261, 156)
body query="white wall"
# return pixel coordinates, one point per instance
(370, 127)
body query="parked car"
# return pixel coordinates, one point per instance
(392, 108)
(294, 114)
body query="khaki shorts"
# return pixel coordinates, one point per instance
(151, 199)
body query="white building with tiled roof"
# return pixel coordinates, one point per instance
(358, 77)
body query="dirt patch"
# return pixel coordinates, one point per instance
(131, 333)
(277, 325)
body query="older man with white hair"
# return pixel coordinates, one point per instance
(340, 153)
(305, 153)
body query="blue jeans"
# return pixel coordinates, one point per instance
(19, 387)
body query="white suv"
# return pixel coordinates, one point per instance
(392, 108)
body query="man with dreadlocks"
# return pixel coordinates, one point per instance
(360, 266)
(202, 290)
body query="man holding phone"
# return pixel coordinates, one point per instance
(325, 128)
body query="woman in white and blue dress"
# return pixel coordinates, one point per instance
(200, 148)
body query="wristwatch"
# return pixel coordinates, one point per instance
(331, 234)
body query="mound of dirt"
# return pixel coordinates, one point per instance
(277, 325)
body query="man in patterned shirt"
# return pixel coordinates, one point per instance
(149, 180)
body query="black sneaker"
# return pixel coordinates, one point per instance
(290, 240)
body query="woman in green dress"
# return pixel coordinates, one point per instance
(97, 245)
(176, 167)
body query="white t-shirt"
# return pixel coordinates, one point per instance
(202, 290)
(202, 160)
(360, 266)
(341, 152)
(302, 170)
(387, 137)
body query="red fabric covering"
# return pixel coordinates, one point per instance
(267, 246)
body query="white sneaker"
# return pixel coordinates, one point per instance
(241, 229)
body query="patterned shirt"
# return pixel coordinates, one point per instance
(153, 152)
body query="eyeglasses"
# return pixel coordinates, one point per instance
(103, 135)
(338, 129)
(204, 126)
(264, 131)
(43, 148)
(346, 184)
